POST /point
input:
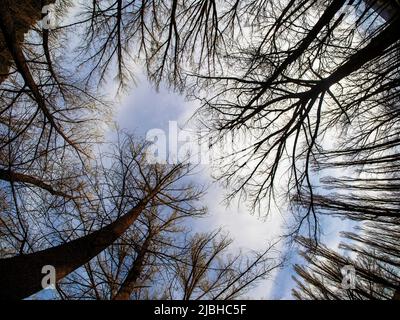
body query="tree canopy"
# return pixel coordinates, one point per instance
(307, 90)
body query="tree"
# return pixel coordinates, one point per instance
(25, 17)
(149, 260)
(45, 114)
(140, 184)
(319, 77)
(177, 266)
(288, 76)
(375, 261)
(42, 111)
(54, 194)
(311, 86)
(277, 75)
(206, 271)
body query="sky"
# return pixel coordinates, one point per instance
(141, 110)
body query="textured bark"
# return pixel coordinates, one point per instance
(11, 176)
(25, 15)
(21, 276)
(396, 295)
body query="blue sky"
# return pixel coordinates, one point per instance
(143, 108)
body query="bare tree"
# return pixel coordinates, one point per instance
(375, 263)
(178, 266)
(267, 70)
(142, 183)
(289, 76)
(208, 271)
(150, 260)
(312, 85)
(285, 86)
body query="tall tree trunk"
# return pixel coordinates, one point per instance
(25, 15)
(9, 28)
(375, 48)
(129, 284)
(21, 276)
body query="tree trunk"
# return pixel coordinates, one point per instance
(11, 41)
(373, 50)
(21, 276)
(396, 295)
(25, 15)
(129, 284)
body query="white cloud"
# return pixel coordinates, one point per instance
(143, 109)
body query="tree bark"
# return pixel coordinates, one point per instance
(25, 15)
(9, 28)
(129, 284)
(21, 276)
(11, 176)
(396, 295)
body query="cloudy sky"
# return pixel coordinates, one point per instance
(143, 109)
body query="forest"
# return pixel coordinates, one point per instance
(307, 92)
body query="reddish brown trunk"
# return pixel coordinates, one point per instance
(25, 15)
(21, 276)
(129, 284)
(10, 39)
(11, 176)
(396, 295)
